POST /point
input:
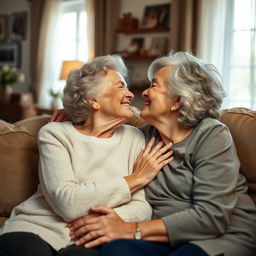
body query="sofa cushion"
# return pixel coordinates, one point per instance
(242, 125)
(19, 161)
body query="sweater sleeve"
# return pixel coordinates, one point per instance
(138, 209)
(216, 168)
(67, 197)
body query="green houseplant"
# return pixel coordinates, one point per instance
(9, 76)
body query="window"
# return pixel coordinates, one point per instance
(71, 37)
(72, 31)
(239, 54)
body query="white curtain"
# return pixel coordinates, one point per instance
(47, 52)
(218, 44)
(211, 34)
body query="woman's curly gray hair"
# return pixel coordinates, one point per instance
(88, 82)
(198, 85)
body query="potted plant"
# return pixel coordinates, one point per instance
(9, 76)
(55, 103)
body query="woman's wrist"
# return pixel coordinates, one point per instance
(135, 183)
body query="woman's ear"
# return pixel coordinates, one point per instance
(95, 104)
(176, 104)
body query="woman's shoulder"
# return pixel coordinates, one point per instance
(212, 124)
(210, 129)
(54, 128)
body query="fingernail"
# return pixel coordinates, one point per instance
(77, 243)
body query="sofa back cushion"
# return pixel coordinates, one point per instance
(242, 125)
(18, 161)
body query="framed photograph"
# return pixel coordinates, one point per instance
(10, 54)
(158, 46)
(135, 45)
(156, 16)
(19, 23)
(4, 22)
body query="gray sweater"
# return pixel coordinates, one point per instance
(201, 196)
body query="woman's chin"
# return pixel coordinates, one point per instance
(145, 114)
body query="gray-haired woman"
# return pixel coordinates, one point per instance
(84, 163)
(199, 200)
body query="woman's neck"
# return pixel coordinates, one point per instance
(101, 127)
(171, 130)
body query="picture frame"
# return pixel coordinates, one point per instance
(135, 46)
(156, 16)
(19, 24)
(10, 54)
(158, 46)
(4, 30)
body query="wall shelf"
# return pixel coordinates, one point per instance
(143, 30)
(139, 57)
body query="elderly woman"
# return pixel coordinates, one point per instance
(84, 163)
(199, 200)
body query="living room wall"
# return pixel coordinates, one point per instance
(8, 7)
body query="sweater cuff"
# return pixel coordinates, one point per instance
(174, 228)
(121, 193)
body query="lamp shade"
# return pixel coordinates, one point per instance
(69, 65)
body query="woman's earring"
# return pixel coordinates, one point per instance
(172, 108)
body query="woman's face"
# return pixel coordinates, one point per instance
(157, 102)
(115, 99)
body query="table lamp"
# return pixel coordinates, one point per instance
(69, 65)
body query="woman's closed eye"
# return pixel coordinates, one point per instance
(121, 85)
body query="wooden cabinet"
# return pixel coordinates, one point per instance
(15, 112)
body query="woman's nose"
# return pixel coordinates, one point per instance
(129, 94)
(144, 93)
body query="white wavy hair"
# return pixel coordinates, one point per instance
(198, 85)
(88, 82)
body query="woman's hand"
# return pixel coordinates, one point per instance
(59, 115)
(100, 227)
(148, 164)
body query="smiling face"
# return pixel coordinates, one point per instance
(157, 102)
(115, 99)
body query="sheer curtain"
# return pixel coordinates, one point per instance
(226, 39)
(47, 60)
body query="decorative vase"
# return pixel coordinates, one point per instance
(5, 94)
(56, 103)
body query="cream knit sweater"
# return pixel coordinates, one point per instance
(77, 172)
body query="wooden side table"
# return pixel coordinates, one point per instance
(15, 112)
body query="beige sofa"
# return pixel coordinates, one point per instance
(19, 154)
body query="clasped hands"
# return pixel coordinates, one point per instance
(102, 225)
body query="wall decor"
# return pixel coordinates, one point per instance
(158, 46)
(4, 29)
(10, 54)
(156, 16)
(135, 45)
(127, 22)
(19, 24)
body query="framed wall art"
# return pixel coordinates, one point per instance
(10, 54)
(156, 16)
(19, 24)
(158, 46)
(4, 28)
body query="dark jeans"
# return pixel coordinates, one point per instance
(28, 244)
(127, 247)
